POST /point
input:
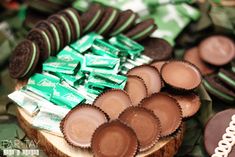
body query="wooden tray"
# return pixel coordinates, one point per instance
(56, 146)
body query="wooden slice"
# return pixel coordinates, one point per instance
(56, 146)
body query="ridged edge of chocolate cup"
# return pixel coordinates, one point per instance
(155, 117)
(74, 110)
(146, 65)
(177, 104)
(124, 124)
(137, 77)
(193, 93)
(179, 89)
(111, 90)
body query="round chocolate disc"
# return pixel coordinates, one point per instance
(166, 109)
(145, 124)
(150, 75)
(113, 102)
(181, 75)
(217, 50)
(215, 129)
(192, 56)
(158, 64)
(114, 139)
(136, 89)
(190, 103)
(157, 49)
(80, 123)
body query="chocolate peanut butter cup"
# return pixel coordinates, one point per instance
(80, 123)
(136, 89)
(166, 109)
(215, 129)
(113, 102)
(181, 75)
(150, 75)
(145, 124)
(217, 50)
(192, 56)
(157, 49)
(190, 103)
(158, 64)
(114, 139)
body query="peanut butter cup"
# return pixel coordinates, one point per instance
(192, 56)
(181, 75)
(80, 123)
(136, 89)
(150, 75)
(190, 103)
(114, 139)
(166, 109)
(217, 50)
(145, 124)
(215, 129)
(158, 64)
(113, 102)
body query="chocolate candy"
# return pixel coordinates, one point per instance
(113, 102)
(181, 75)
(80, 123)
(215, 129)
(217, 50)
(158, 64)
(24, 59)
(227, 77)
(166, 109)
(145, 124)
(136, 89)
(150, 75)
(192, 56)
(114, 139)
(190, 103)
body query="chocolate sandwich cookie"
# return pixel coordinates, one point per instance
(145, 124)
(217, 50)
(215, 87)
(80, 123)
(114, 139)
(142, 30)
(109, 18)
(125, 20)
(136, 89)
(24, 59)
(215, 129)
(42, 39)
(113, 102)
(166, 109)
(227, 77)
(192, 56)
(46, 26)
(181, 76)
(64, 26)
(91, 17)
(190, 103)
(150, 75)
(157, 49)
(74, 18)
